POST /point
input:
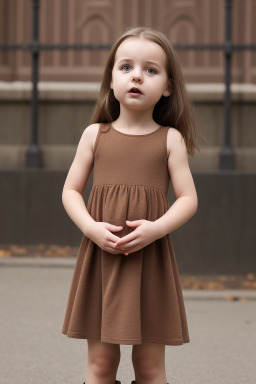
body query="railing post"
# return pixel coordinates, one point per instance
(33, 155)
(227, 157)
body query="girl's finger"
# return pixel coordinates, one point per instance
(132, 250)
(109, 248)
(125, 239)
(114, 228)
(134, 223)
(113, 239)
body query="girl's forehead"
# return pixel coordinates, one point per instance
(137, 47)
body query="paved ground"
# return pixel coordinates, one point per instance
(33, 350)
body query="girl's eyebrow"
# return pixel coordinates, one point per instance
(153, 63)
(124, 61)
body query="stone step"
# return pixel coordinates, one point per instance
(60, 157)
(65, 110)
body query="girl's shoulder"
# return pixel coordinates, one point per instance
(92, 130)
(175, 141)
(90, 134)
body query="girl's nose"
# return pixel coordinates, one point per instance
(137, 76)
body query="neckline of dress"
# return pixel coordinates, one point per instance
(129, 134)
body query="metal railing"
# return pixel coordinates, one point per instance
(33, 154)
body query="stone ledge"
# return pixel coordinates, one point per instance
(54, 156)
(19, 90)
(73, 91)
(215, 92)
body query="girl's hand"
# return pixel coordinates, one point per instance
(144, 234)
(100, 233)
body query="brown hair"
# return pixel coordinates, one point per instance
(174, 111)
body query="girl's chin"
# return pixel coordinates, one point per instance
(137, 108)
(137, 105)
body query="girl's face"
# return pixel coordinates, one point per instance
(139, 78)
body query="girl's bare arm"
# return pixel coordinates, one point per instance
(72, 195)
(76, 181)
(185, 205)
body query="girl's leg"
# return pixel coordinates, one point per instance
(103, 361)
(149, 363)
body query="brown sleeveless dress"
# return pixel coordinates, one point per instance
(137, 298)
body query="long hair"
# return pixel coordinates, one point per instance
(174, 111)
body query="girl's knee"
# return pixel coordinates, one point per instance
(148, 362)
(146, 368)
(103, 366)
(103, 359)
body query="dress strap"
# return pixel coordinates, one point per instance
(104, 127)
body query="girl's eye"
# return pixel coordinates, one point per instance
(126, 67)
(151, 71)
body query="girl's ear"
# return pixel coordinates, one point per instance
(168, 90)
(111, 84)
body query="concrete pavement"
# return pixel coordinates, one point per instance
(32, 349)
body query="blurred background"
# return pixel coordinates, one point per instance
(52, 55)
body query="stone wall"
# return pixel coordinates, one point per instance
(102, 21)
(219, 239)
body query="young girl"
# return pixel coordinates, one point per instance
(125, 287)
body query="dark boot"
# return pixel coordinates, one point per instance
(134, 382)
(117, 382)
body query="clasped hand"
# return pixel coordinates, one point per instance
(144, 233)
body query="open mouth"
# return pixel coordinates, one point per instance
(135, 90)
